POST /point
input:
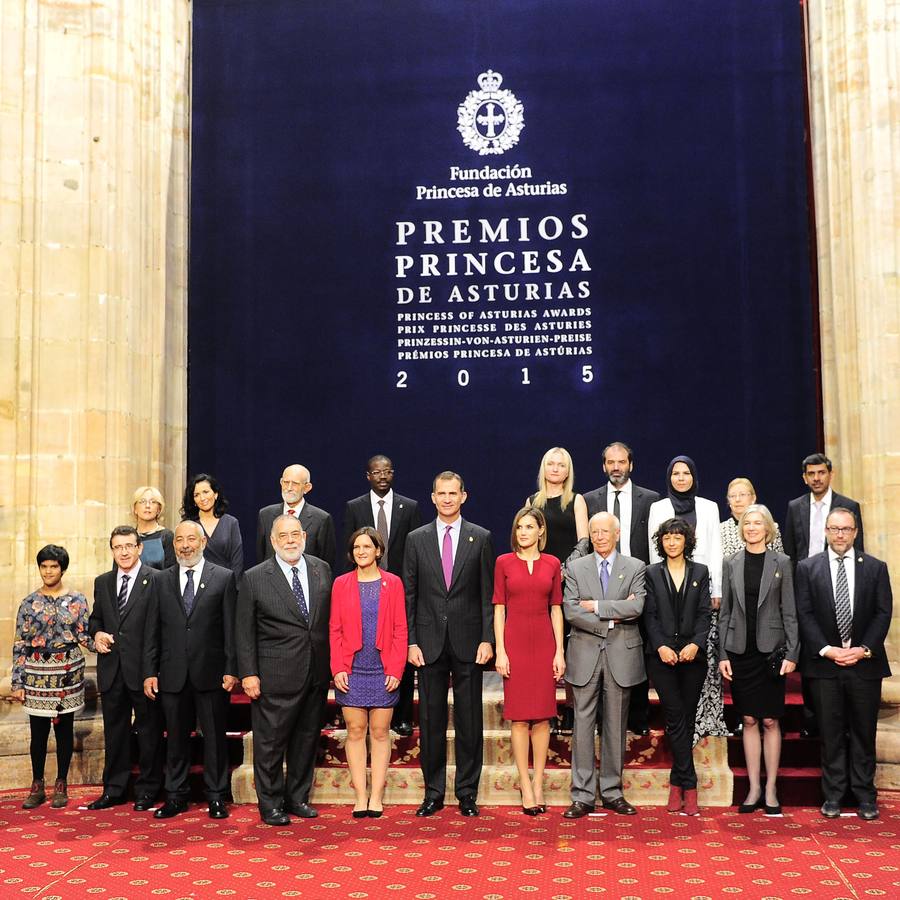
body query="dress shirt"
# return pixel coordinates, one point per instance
(182, 576)
(850, 569)
(455, 530)
(625, 494)
(611, 559)
(132, 576)
(302, 574)
(388, 506)
(817, 538)
(297, 509)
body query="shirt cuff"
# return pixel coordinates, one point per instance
(824, 650)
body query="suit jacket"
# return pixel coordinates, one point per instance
(318, 525)
(641, 500)
(127, 652)
(591, 633)
(709, 536)
(199, 647)
(465, 611)
(872, 610)
(404, 519)
(346, 624)
(273, 641)
(796, 525)
(659, 614)
(776, 612)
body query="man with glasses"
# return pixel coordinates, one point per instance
(394, 517)
(316, 523)
(844, 608)
(117, 624)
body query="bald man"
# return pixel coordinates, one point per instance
(316, 523)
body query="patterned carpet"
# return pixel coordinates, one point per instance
(117, 853)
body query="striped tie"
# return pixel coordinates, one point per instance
(842, 603)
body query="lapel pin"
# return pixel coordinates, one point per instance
(695, 584)
(384, 584)
(144, 581)
(859, 559)
(778, 574)
(471, 539)
(202, 585)
(399, 506)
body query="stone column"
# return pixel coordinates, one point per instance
(94, 149)
(854, 54)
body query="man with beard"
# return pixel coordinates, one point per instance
(190, 667)
(317, 525)
(283, 660)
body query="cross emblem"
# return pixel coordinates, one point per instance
(490, 119)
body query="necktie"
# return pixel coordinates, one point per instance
(447, 557)
(123, 594)
(188, 597)
(842, 602)
(604, 575)
(297, 588)
(382, 528)
(618, 515)
(291, 512)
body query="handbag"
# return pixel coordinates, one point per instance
(775, 659)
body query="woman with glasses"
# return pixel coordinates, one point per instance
(148, 506)
(740, 495)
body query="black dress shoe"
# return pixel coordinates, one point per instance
(404, 729)
(303, 810)
(831, 809)
(578, 809)
(868, 811)
(772, 810)
(360, 814)
(468, 806)
(274, 817)
(621, 806)
(218, 809)
(144, 802)
(170, 808)
(104, 801)
(531, 810)
(375, 813)
(430, 805)
(759, 803)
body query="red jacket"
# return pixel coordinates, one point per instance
(346, 624)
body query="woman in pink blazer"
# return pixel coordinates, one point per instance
(368, 654)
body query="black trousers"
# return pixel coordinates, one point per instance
(468, 723)
(182, 709)
(847, 710)
(286, 725)
(118, 705)
(403, 711)
(639, 707)
(679, 689)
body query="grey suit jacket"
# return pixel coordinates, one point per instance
(776, 616)
(591, 633)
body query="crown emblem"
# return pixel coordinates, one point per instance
(490, 120)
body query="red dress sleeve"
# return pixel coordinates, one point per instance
(500, 594)
(556, 587)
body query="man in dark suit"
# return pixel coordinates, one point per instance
(630, 504)
(117, 624)
(844, 606)
(804, 536)
(394, 517)
(283, 660)
(317, 525)
(448, 572)
(190, 667)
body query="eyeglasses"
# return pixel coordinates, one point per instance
(744, 495)
(378, 473)
(124, 548)
(287, 483)
(841, 529)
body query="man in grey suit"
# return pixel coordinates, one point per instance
(317, 525)
(602, 600)
(283, 661)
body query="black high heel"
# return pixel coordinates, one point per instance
(759, 803)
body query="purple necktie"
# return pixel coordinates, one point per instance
(604, 575)
(447, 557)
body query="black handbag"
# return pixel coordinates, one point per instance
(775, 659)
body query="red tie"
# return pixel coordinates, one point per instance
(292, 512)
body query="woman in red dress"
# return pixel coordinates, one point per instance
(528, 628)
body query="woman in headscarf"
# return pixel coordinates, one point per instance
(682, 502)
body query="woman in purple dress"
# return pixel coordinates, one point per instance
(368, 653)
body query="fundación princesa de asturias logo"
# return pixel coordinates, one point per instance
(490, 120)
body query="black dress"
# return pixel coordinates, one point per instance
(754, 690)
(562, 535)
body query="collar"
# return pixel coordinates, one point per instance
(388, 498)
(131, 573)
(455, 525)
(849, 555)
(625, 489)
(286, 567)
(826, 499)
(297, 509)
(611, 559)
(197, 569)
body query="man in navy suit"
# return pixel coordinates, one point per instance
(394, 516)
(844, 607)
(448, 572)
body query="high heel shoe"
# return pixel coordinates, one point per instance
(772, 810)
(759, 803)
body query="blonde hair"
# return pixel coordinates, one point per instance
(740, 480)
(154, 494)
(568, 493)
(768, 521)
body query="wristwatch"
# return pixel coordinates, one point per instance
(867, 653)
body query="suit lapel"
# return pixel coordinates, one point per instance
(201, 589)
(141, 581)
(737, 578)
(804, 523)
(592, 576)
(174, 577)
(463, 550)
(432, 551)
(768, 576)
(616, 578)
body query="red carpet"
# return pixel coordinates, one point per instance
(118, 853)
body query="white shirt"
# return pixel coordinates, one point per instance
(388, 499)
(132, 576)
(182, 575)
(455, 530)
(302, 574)
(297, 509)
(850, 569)
(610, 561)
(625, 494)
(816, 534)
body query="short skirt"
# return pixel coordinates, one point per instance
(54, 682)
